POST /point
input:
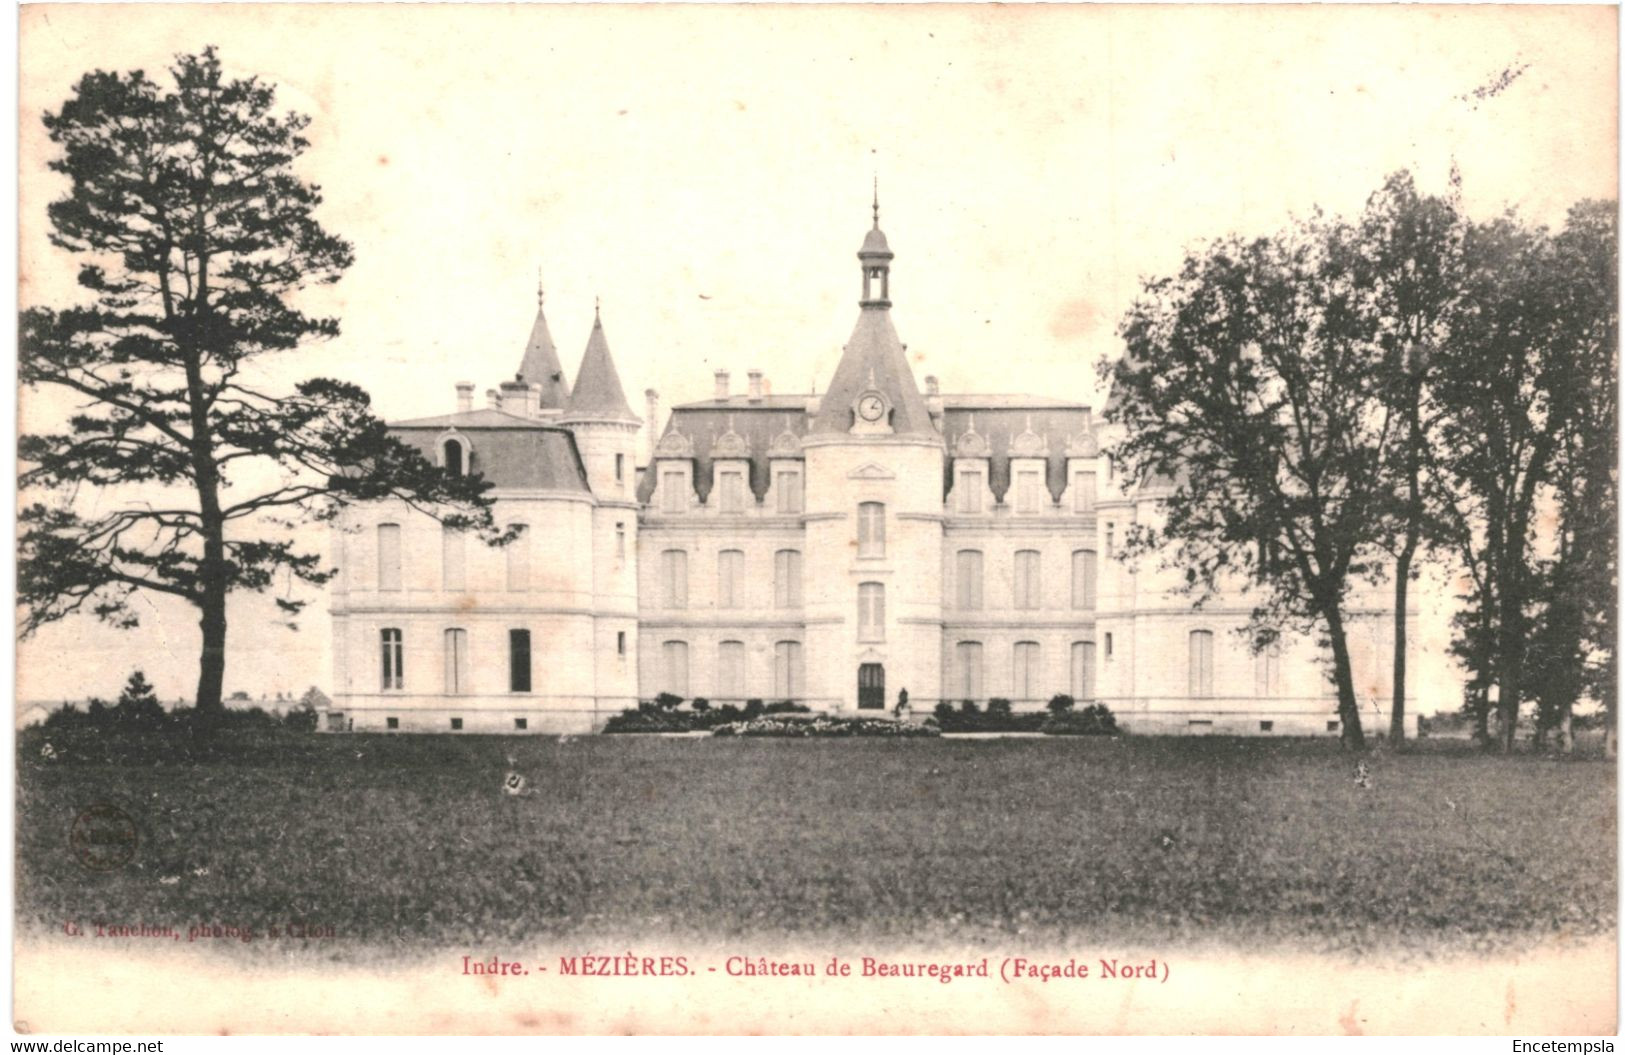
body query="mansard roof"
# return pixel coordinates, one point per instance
(510, 451)
(1022, 427)
(760, 430)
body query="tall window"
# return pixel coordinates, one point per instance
(787, 676)
(519, 661)
(673, 491)
(1083, 579)
(968, 670)
(1083, 670)
(1267, 671)
(871, 529)
(871, 612)
(730, 578)
(788, 486)
(970, 490)
(1025, 684)
(620, 468)
(1083, 492)
(1028, 585)
(1201, 663)
(1028, 484)
(620, 540)
(453, 451)
(456, 660)
(389, 556)
(968, 579)
(732, 484)
(674, 577)
(674, 655)
(1111, 538)
(390, 639)
(731, 669)
(519, 559)
(787, 578)
(453, 559)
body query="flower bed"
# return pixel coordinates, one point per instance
(824, 725)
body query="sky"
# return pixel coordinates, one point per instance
(706, 173)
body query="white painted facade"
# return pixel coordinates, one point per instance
(831, 550)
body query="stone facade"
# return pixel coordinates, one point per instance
(830, 549)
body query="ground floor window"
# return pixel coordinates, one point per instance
(674, 656)
(390, 642)
(519, 661)
(1025, 676)
(456, 660)
(787, 674)
(1083, 670)
(731, 670)
(968, 670)
(1201, 663)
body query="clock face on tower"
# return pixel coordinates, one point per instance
(871, 407)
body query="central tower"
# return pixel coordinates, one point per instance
(874, 459)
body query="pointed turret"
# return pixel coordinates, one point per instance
(598, 395)
(541, 366)
(874, 361)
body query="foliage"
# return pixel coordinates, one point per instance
(1094, 720)
(138, 704)
(702, 716)
(193, 236)
(1061, 703)
(998, 718)
(823, 725)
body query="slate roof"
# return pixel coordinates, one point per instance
(999, 419)
(598, 392)
(541, 363)
(874, 357)
(507, 450)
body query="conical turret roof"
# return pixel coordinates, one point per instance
(598, 394)
(874, 358)
(541, 363)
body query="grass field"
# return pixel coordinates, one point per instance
(402, 843)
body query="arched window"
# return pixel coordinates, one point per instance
(967, 684)
(1201, 663)
(674, 577)
(1267, 671)
(455, 461)
(730, 670)
(871, 529)
(453, 559)
(519, 559)
(675, 656)
(968, 579)
(730, 578)
(456, 662)
(389, 556)
(787, 673)
(787, 578)
(871, 611)
(1025, 684)
(1028, 582)
(1083, 579)
(390, 640)
(1083, 670)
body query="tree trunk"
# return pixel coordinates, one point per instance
(1348, 708)
(212, 665)
(1510, 669)
(1481, 716)
(1565, 725)
(1402, 582)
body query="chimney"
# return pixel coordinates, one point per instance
(492, 399)
(755, 385)
(533, 401)
(651, 400)
(516, 398)
(722, 384)
(465, 396)
(931, 385)
(933, 400)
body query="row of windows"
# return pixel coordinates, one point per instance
(1027, 582)
(1266, 667)
(788, 673)
(1026, 666)
(1028, 492)
(455, 659)
(454, 557)
(730, 578)
(731, 490)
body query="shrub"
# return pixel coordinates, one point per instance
(1061, 703)
(669, 701)
(138, 705)
(968, 707)
(998, 706)
(943, 712)
(824, 725)
(786, 707)
(301, 719)
(753, 709)
(648, 720)
(701, 705)
(1094, 720)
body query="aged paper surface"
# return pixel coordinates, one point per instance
(699, 178)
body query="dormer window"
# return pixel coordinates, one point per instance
(454, 458)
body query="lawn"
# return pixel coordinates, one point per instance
(405, 843)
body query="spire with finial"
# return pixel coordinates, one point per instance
(540, 363)
(539, 285)
(877, 201)
(875, 258)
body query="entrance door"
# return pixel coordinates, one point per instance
(871, 687)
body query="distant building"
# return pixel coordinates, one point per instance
(830, 549)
